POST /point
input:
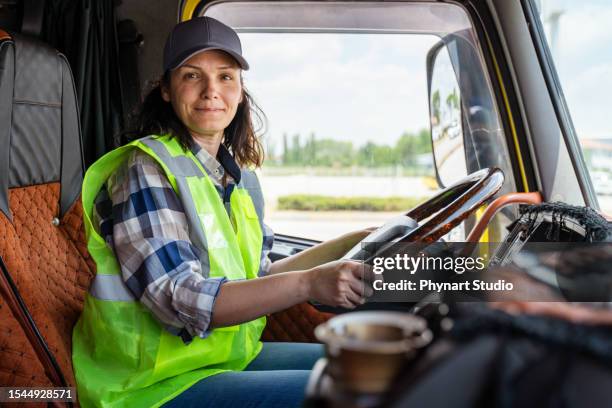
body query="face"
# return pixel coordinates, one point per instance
(205, 92)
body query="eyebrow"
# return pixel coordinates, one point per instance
(221, 67)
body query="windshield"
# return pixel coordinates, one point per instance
(579, 39)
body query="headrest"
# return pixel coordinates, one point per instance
(40, 138)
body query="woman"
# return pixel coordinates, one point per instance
(174, 224)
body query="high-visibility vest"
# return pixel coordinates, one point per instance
(122, 356)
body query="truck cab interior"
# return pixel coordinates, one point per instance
(501, 147)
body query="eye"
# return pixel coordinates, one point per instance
(191, 75)
(226, 77)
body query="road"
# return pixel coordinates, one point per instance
(324, 225)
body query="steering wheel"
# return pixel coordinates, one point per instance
(445, 211)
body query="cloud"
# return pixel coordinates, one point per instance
(272, 53)
(589, 97)
(584, 32)
(349, 87)
(584, 63)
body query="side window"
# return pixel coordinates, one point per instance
(346, 92)
(578, 35)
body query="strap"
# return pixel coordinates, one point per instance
(33, 11)
(181, 166)
(7, 77)
(130, 40)
(250, 182)
(110, 287)
(10, 293)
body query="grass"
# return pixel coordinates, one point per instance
(311, 202)
(352, 171)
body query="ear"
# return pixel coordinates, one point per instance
(165, 92)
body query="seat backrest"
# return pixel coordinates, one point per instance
(41, 171)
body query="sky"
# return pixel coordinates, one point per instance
(363, 87)
(583, 58)
(356, 87)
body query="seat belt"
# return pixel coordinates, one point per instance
(130, 41)
(33, 13)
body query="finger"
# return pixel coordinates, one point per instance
(360, 289)
(369, 275)
(364, 272)
(368, 290)
(354, 299)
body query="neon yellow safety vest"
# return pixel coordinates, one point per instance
(122, 356)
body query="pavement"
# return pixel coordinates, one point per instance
(324, 225)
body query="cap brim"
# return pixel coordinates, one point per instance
(241, 61)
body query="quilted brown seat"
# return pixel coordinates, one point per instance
(42, 247)
(296, 323)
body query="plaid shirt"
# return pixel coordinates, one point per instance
(143, 221)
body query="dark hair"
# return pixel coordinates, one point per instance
(157, 117)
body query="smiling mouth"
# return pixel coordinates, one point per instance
(209, 110)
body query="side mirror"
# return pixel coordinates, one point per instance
(445, 115)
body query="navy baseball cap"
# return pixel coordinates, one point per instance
(201, 34)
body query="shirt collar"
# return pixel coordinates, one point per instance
(216, 167)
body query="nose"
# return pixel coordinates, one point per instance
(209, 89)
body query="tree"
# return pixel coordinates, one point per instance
(410, 145)
(452, 100)
(270, 149)
(373, 155)
(310, 150)
(435, 107)
(286, 158)
(330, 152)
(296, 150)
(365, 154)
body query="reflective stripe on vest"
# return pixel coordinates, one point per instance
(110, 287)
(121, 354)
